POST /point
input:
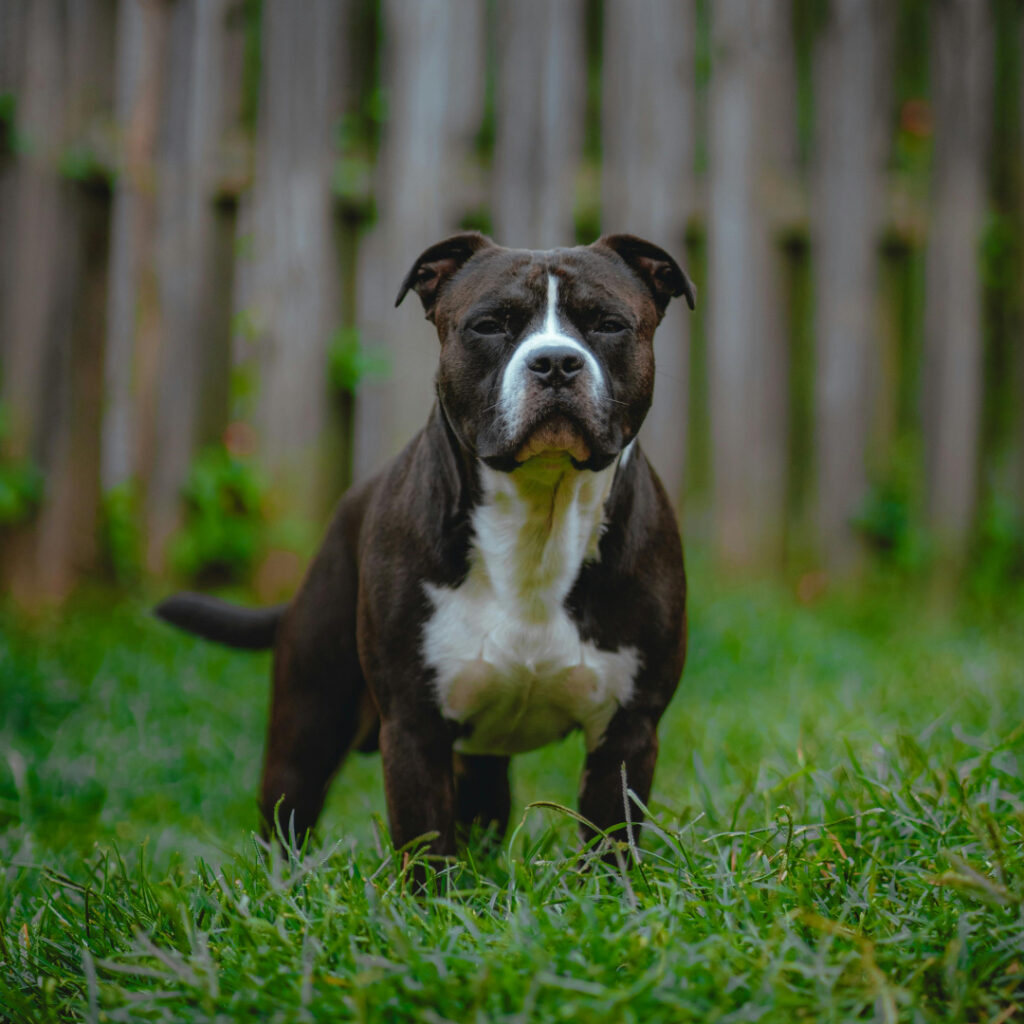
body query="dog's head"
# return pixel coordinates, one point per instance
(546, 351)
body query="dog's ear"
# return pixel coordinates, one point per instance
(662, 275)
(438, 264)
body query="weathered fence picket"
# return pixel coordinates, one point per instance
(172, 218)
(752, 144)
(189, 406)
(53, 323)
(540, 111)
(852, 115)
(289, 279)
(133, 321)
(427, 138)
(961, 66)
(12, 43)
(648, 185)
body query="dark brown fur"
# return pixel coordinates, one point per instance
(348, 669)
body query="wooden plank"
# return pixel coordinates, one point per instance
(961, 91)
(1017, 444)
(851, 118)
(1017, 457)
(426, 140)
(13, 26)
(191, 304)
(54, 319)
(288, 278)
(75, 494)
(647, 185)
(133, 321)
(752, 157)
(1018, 464)
(38, 206)
(540, 112)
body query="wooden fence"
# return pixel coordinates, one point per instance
(198, 198)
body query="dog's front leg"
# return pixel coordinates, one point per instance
(631, 739)
(419, 782)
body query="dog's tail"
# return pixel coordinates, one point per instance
(251, 629)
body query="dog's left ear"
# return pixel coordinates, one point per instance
(662, 275)
(436, 266)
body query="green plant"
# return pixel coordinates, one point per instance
(21, 483)
(82, 164)
(890, 528)
(349, 363)
(997, 568)
(224, 529)
(8, 122)
(477, 219)
(121, 533)
(8, 109)
(891, 519)
(352, 182)
(357, 136)
(252, 61)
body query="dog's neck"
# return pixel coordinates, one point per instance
(535, 527)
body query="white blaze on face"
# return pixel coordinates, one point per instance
(516, 378)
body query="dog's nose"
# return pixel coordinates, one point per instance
(555, 365)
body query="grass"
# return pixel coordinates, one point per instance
(837, 835)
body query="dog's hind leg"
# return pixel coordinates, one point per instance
(320, 706)
(318, 713)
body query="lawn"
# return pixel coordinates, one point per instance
(837, 834)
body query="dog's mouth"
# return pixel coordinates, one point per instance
(557, 433)
(553, 436)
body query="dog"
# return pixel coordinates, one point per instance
(515, 574)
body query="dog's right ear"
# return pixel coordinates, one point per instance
(436, 266)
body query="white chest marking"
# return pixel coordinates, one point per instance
(509, 661)
(516, 374)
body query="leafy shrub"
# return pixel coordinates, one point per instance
(21, 483)
(224, 530)
(997, 566)
(891, 529)
(349, 363)
(121, 533)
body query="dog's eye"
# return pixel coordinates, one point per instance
(611, 325)
(488, 326)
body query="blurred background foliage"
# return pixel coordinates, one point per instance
(210, 206)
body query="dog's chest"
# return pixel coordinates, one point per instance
(509, 663)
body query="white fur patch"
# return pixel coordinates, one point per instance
(509, 662)
(515, 379)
